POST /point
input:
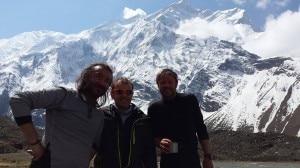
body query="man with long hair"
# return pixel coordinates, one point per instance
(74, 122)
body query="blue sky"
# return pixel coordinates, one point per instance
(73, 16)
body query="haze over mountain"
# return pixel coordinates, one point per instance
(236, 89)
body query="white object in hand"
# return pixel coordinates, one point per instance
(174, 147)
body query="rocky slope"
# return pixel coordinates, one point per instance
(243, 146)
(11, 139)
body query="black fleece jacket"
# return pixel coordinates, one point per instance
(180, 120)
(126, 145)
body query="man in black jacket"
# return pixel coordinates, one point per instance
(127, 140)
(178, 125)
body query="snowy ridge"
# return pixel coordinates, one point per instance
(237, 90)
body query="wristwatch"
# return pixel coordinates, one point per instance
(208, 155)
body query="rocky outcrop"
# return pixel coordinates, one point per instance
(243, 146)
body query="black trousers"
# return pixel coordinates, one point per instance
(180, 160)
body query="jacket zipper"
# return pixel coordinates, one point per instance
(132, 139)
(118, 136)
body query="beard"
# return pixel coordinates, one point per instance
(99, 91)
(96, 91)
(167, 92)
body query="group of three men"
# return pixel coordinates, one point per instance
(120, 135)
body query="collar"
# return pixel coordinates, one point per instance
(85, 100)
(83, 97)
(123, 112)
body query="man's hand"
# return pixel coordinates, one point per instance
(36, 151)
(165, 145)
(207, 163)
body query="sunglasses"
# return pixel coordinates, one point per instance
(121, 91)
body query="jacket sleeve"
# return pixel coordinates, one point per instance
(198, 118)
(152, 113)
(149, 158)
(23, 103)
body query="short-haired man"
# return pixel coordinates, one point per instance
(127, 139)
(176, 120)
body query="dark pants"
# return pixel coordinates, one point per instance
(182, 160)
(43, 162)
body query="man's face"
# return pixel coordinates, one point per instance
(98, 81)
(122, 95)
(167, 86)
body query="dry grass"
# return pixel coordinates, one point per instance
(15, 160)
(21, 159)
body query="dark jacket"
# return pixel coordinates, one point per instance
(126, 145)
(185, 125)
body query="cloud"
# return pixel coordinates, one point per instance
(282, 3)
(129, 13)
(281, 37)
(204, 29)
(239, 2)
(263, 4)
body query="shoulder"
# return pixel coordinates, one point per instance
(65, 94)
(186, 96)
(59, 90)
(49, 92)
(156, 103)
(140, 113)
(155, 108)
(66, 90)
(187, 99)
(106, 109)
(140, 116)
(136, 108)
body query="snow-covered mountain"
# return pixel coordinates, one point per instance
(237, 90)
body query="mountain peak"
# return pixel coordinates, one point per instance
(236, 90)
(180, 9)
(231, 15)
